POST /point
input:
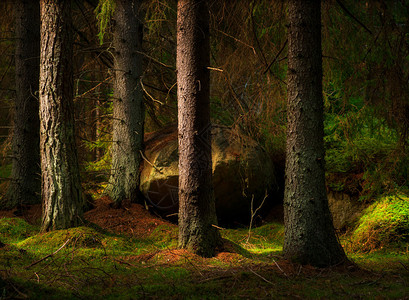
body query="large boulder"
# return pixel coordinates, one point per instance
(242, 173)
(345, 210)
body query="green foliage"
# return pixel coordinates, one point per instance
(365, 96)
(5, 171)
(384, 224)
(104, 12)
(102, 165)
(361, 154)
(157, 13)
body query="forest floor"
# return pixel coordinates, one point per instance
(127, 253)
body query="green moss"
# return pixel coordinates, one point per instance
(264, 240)
(21, 289)
(15, 229)
(165, 236)
(78, 236)
(81, 237)
(104, 13)
(384, 224)
(97, 264)
(381, 261)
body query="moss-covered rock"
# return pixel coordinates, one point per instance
(345, 210)
(78, 236)
(242, 172)
(385, 223)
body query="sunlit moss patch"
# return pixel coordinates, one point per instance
(384, 224)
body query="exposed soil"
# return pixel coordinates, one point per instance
(30, 213)
(130, 218)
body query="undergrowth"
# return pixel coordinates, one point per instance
(363, 156)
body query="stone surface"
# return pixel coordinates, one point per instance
(344, 209)
(242, 172)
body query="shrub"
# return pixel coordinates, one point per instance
(362, 155)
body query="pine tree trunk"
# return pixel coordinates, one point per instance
(197, 211)
(128, 114)
(61, 190)
(26, 181)
(309, 236)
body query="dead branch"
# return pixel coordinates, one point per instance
(352, 16)
(276, 57)
(153, 166)
(253, 214)
(48, 256)
(281, 269)
(258, 275)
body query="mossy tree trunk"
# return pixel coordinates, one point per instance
(309, 233)
(197, 213)
(63, 203)
(25, 185)
(128, 108)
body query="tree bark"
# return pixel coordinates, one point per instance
(197, 211)
(63, 203)
(25, 185)
(309, 232)
(128, 108)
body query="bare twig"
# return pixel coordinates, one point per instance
(21, 294)
(276, 57)
(282, 269)
(215, 226)
(237, 40)
(95, 87)
(149, 95)
(172, 215)
(258, 275)
(156, 61)
(215, 69)
(48, 256)
(153, 166)
(352, 16)
(253, 214)
(254, 26)
(405, 266)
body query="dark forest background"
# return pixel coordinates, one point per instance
(365, 88)
(365, 56)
